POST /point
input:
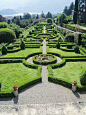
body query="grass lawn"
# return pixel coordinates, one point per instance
(70, 72)
(15, 73)
(22, 53)
(63, 53)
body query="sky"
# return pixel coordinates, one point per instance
(33, 6)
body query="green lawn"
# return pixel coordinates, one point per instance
(63, 53)
(15, 73)
(22, 53)
(70, 72)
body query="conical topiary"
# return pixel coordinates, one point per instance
(22, 45)
(58, 45)
(4, 50)
(83, 79)
(76, 49)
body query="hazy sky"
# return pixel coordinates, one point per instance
(54, 6)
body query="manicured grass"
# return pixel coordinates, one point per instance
(22, 53)
(15, 73)
(63, 53)
(70, 72)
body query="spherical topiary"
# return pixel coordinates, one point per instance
(83, 79)
(22, 45)
(4, 50)
(58, 45)
(76, 49)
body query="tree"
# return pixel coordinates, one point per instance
(62, 18)
(42, 15)
(75, 12)
(2, 19)
(49, 15)
(37, 17)
(67, 10)
(16, 29)
(27, 16)
(49, 20)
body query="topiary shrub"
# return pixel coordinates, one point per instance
(83, 79)
(4, 50)
(7, 35)
(22, 45)
(76, 49)
(58, 45)
(30, 33)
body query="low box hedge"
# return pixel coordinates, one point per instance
(45, 62)
(63, 62)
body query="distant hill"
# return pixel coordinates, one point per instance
(7, 12)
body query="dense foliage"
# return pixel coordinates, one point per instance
(68, 10)
(49, 20)
(7, 35)
(49, 15)
(16, 29)
(83, 79)
(3, 25)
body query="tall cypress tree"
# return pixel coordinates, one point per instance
(75, 16)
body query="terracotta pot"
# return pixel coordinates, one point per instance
(74, 82)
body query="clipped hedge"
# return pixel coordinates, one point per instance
(45, 62)
(62, 63)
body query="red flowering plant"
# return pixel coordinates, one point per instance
(15, 86)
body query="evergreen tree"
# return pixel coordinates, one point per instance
(37, 17)
(75, 12)
(49, 15)
(42, 15)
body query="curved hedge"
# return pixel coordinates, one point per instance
(7, 35)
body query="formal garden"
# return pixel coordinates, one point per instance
(21, 59)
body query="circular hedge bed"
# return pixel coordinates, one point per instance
(44, 59)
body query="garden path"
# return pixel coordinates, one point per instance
(45, 98)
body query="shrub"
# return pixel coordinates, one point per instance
(3, 25)
(76, 49)
(22, 45)
(49, 20)
(83, 79)
(4, 50)
(58, 45)
(7, 35)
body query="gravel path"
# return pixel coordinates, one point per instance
(45, 98)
